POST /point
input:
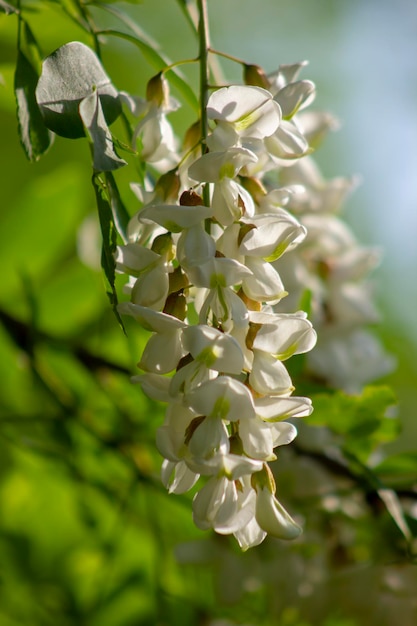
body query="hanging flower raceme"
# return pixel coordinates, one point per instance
(201, 281)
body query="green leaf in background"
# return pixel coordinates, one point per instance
(39, 229)
(104, 156)
(399, 470)
(109, 234)
(69, 75)
(34, 135)
(361, 419)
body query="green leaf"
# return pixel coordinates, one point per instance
(398, 469)
(69, 75)
(34, 135)
(362, 420)
(109, 234)
(104, 156)
(53, 205)
(120, 215)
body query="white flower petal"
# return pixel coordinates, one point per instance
(154, 386)
(195, 247)
(250, 109)
(269, 376)
(289, 334)
(257, 439)
(215, 349)
(275, 409)
(209, 437)
(162, 353)
(273, 518)
(283, 433)
(149, 319)
(215, 166)
(177, 477)
(175, 218)
(224, 398)
(265, 284)
(133, 258)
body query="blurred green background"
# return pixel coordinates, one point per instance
(88, 537)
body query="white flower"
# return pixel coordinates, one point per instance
(133, 259)
(241, 112)
(271, 235)
(218, 276)
(216, 506)
(156, 138)
(287, 142)
(265, 284)
(277, 408)
(272, 516)
(171, 436)
(215, 349)
(164, 349)
(276, 339)
(229, 200)
(222, 504)
(269, 376)
(151, 287)
(158, 144)
(195, 247)
(260, 438)
(223, 398)
(251, 534)
(283, 335)
(177, 477)
(175, 217)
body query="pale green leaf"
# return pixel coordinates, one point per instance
(104, 156)
(69, 75)
(109, 235)
(34, 135)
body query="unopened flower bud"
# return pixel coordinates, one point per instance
(163, 245)
(263, 480)
(254, 186)
(192, 136)
(167, 186)
(177, 281)
(191, 198)
(176, 305)
(254, 75)
(157, 90)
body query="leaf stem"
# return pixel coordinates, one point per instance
(230, 57)
(204, 45)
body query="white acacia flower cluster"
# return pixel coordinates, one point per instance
(203, 279)
(334, 268)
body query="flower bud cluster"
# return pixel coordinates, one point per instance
(203, 279)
